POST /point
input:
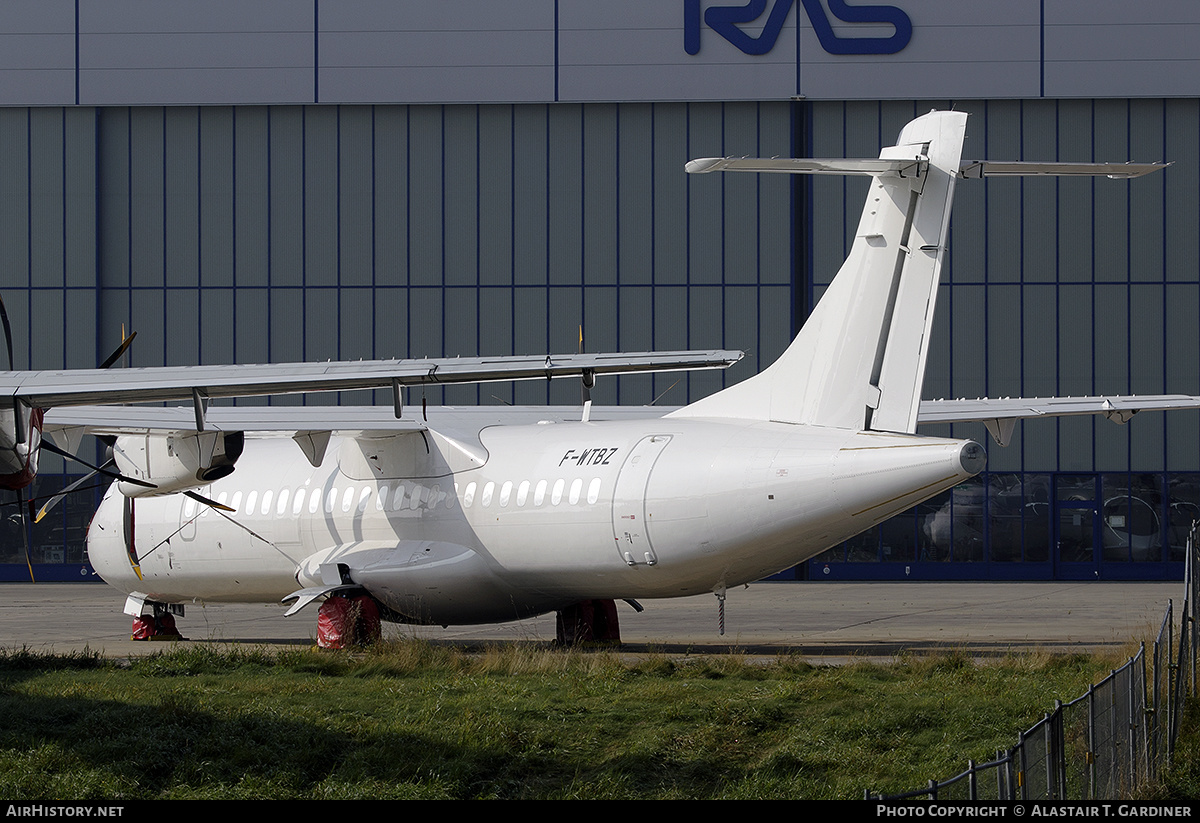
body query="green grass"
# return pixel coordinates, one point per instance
(416, 720)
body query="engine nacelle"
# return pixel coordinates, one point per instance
(176, 461)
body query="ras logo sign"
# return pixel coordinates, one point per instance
(726, 20)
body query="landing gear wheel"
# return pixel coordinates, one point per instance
(348, 621)
(590, 622)
(155, 627)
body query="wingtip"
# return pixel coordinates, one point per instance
(702, 165)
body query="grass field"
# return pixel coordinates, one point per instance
(415, 720)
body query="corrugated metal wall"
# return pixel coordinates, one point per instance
(301, 233)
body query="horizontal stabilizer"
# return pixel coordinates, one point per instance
(994, 168)
(916, 166)
(871, 166)
(1001, 414)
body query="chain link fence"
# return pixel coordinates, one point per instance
(1104, 744)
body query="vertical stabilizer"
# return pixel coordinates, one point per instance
(859, 361)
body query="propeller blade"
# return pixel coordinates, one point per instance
(25, 533)
(53, 449)
(54, 501)
(207, 502)
(121, 349)
(7, 334)
(130, 549)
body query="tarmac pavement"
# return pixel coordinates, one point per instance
(824, 621)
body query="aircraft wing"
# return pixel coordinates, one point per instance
(49, 389)
(1001, 414)
(119, 420)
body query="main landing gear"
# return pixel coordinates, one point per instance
(590, 622)
(347, 619)
(159, 624)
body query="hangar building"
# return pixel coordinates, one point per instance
(301, 180)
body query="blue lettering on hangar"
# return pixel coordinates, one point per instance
(726, 21)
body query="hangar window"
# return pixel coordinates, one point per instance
(593, 491)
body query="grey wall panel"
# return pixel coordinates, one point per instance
(355, 196)
(426, 194)
(496, 319)
(599, 187)
(1075, 343)
(496, 195)
(1182, 210)
(636, 199)
(670, 130)
(47, 155)
(706, 138)
(143, 52)
(147, 229)
(216, 206)
(251, 326)
(565, 199)
(216, 319)
(461, 202)
(1039, 207)
(472, 51)
(391, 203)
(251, 201)
(15, 206)
(79, 190)
(37, 52)
(775, 216)
(286, 230)
(530, 199)
(321, 180)
(180, 196)
(1112, 202)
(1146, 244)
(1076, 237)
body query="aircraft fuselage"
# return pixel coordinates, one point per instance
(525, 519)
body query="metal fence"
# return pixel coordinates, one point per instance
(1104, 744)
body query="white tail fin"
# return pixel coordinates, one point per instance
(859, 361)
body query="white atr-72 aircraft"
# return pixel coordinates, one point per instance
(492, 514)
